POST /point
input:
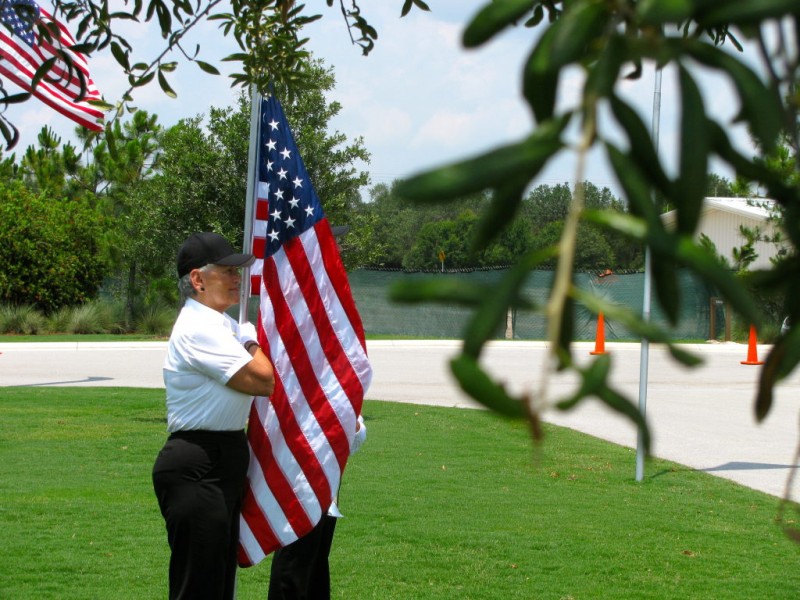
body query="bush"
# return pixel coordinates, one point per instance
(23, 320)
(156, 320)
(51, 249)
(91, 318)
(58, 321)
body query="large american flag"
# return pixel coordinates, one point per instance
(23, 50)
(300, 438)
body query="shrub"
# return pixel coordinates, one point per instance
(51, 249)
(95, 317)
(58, 321)
(156, 320)
(23, 319)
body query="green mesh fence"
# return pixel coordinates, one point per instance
(382, 317)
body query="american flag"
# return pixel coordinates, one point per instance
(300, 438)
(23, 50)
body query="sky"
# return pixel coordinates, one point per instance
(419, 99)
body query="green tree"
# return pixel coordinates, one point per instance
(329, 157)
(449, 236)
(184, 196)
(395, 225)
(123, 162)
(201, 176)
(51, 248)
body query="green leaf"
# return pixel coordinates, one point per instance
(628, 225)
(665, 282)
(101, 104)
(141, 81)
(761, 105)
(475, 382)
(111, 142)
(446, 291)
(630, 320)
(421, 5)
(690, 186)
(164, 18)
(602, 78)
(592, 380)
(488, 170)
(540, 79)
(622, 405)
(642, 150)
(120, 56)
(492, 19)
(494, 308)
(538, 15)
(743, 12)
(635, 185)
(499, 214)
(86, 48)
(661, 12)
(566, 332)
(208, 68)
(708, 266)
(162, 81)
(780, 363)
(577, 29)
(16, 98)
(42, 71)
(10, 134)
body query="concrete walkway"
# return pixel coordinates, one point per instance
(701, 418)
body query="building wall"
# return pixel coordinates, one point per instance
(722, 228)
(720, 221)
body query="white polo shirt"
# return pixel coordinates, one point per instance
(204, 352)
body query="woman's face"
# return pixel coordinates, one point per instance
(219, 286)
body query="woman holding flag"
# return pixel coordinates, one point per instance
(214, 367)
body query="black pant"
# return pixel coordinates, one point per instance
(199, 479)
(300, 570)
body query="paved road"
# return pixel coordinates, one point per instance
(701, 418)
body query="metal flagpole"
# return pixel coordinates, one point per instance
(249, 208)
(645, 348)
(250, 201)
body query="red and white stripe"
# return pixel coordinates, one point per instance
(300, 437)
(59, 89)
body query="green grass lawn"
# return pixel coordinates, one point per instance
(440, 503)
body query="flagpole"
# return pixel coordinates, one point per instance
(250, 201)
(249, 207)
(644, 359)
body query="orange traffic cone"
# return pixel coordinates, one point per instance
(752, 351)
(600, 336)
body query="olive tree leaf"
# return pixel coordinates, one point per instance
(488, 170)
(493, 310)
(492, 19)
(642, 150)
(480, 386)
(690, 185)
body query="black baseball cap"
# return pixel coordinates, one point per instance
(201, 249)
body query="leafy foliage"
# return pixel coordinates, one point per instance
(50, 249)
(609, 42)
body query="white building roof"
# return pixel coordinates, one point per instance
(757, 209)
(721, 218)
